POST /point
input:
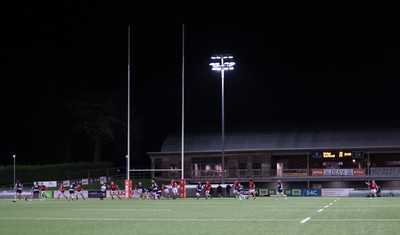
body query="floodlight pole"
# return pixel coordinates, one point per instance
(222, 124)
(222, 66)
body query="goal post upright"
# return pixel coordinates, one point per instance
(182, 184)
(128, 181)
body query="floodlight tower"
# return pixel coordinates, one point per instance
(224, 63)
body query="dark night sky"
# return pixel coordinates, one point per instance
(297, 63)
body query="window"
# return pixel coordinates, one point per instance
(242, 163)
(256, 165)
(206, 165)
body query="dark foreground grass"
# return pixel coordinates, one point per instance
(213, 216)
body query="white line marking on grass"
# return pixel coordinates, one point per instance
(185, 219)
(355, 220)
(133, 209)
(320, 210)
(305, 220)
(153, 219)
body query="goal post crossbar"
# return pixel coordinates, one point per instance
(153, 170)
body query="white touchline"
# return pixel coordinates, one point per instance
(320, 210)
(326, 206)
(153, 219)
(305, 220)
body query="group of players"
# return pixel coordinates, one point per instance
(37, 191)
(237, 189)
(114, 190)
(154, 193)
(75, 190)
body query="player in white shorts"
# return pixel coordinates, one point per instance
(174, 187)
(252, 190)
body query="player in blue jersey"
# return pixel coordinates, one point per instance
(140, 190)
(18, 191)
(239, 190)
(71, 191)
(154, 190)
(35, 191)
(279, 191)
(198, 190)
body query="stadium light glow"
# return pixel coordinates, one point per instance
(222, 66)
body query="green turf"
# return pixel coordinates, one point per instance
(213, 216)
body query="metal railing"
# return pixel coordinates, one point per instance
(240, 174)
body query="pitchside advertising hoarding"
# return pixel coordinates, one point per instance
(337, 172)
(304, 192)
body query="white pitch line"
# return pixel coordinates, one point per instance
(327, 206)
(355, 220)
(153, 219)
(305, 220)
(350, 220)
(116, 209)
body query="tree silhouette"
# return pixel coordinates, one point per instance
(100, 116)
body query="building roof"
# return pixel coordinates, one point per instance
(372, 139)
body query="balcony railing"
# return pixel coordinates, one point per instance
(230, 174)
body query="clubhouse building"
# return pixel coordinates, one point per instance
(319, 158)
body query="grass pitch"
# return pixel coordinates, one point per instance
(213, 216)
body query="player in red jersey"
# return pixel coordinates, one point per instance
(373, 188)
(114, 189)
(43, 191)
(61, 188)
(252, 190)
(174, 187)
(207, 188)
(79, 191)
(235, 188)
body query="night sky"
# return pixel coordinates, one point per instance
(300, 63)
